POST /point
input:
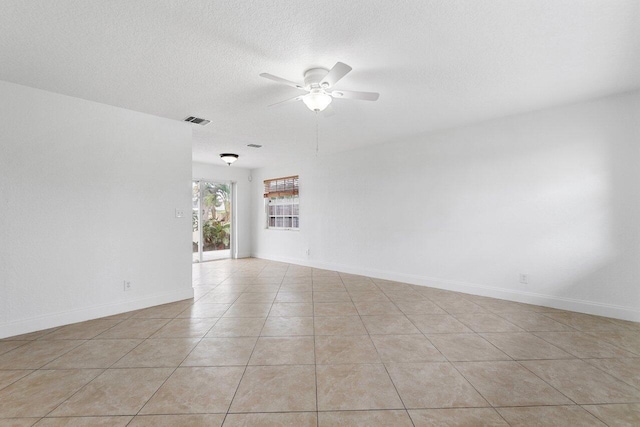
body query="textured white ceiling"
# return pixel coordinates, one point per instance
(436, 64)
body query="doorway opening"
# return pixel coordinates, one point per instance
(212, 220)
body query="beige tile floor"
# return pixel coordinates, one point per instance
(271, 344)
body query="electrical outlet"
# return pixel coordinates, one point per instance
(524, 278)
(308, 252)
(126, 285)
(179, 213)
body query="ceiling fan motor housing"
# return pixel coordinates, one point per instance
(314, 76)
(319, 82)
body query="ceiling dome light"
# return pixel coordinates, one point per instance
(317, 100)
(229, 158)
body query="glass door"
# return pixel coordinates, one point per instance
(211, 220)
(195, 221)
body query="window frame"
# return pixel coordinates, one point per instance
(282, 203)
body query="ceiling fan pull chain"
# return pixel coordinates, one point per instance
(317, 138)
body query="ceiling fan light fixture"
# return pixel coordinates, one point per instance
(317, 100)
(229, 158)
(318, 85)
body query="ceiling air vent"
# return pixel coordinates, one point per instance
(254, 145)
(197, 121)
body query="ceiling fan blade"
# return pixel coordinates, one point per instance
(286, 101)
(350, 94)
(282, 81)
(335, 74)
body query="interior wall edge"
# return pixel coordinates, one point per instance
(244, 254)
(25, 326)
(571, 304)
(89, 197)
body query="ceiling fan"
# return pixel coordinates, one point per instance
(318, 83)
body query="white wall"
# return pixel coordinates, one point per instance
(88, 194)
(553, 194)
(243, 203)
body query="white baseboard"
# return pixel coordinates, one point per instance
(80, 315)
(571, 304)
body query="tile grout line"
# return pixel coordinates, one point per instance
(594, 415)
(379, 357)
(166, 379)
(543, 380)
(512, 359)
(250, 356)
(315, 357)
(453, 364)
(359, 315)
(143, 340)
(465, 378)
(92, 380)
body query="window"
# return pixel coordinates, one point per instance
(282, 203)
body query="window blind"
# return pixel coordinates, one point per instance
(281, 187)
